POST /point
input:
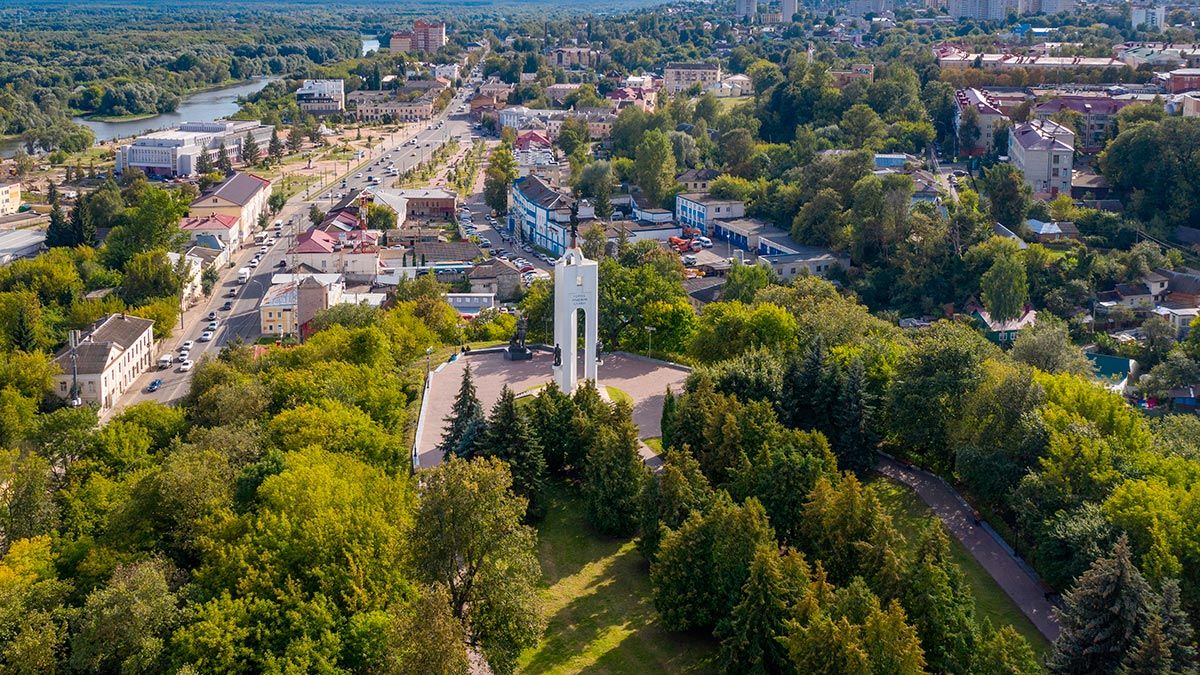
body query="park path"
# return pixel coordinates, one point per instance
(1009, 571)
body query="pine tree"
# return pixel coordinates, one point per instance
(223, 161)
(1003, 652)
(204, 164)
(667, 419)
(508, 437)
(1104, 615)
(940, 604)
(853, 443)
(1151, 654)
(275, 146)
(24, 333)
(801, 384)
(750, 640)
(82, 224)
(551, 414)
(465, 423)
(668, 499)
(58, 233)
(250, 151)
(295, 139)
(1177, 628)
(613, 477)
(828, 391)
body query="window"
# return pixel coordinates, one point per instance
(1056, 158)
(1054, 172)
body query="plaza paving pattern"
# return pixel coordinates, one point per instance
(645, 381)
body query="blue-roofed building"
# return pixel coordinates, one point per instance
(775, 248)
(1053, 231)
(1113, 371)
(892, 160)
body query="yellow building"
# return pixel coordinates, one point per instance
(10, 198)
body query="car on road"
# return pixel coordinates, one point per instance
(227, 306)
(358, 175)
(231, 293)
(154, 386)
(212, 315)
(184, 355)
(254, 262)
(526, 268)
(185, 366)
(212, 325)
(206, 336)
(186, 346)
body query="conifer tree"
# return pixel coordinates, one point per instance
(1003, 652)
(508, 437)
(668, 498)
(750, 640)
(1177, 628)
(1151, 654)
(853, 443)
(204, 164)
(465, 423)
(827, 395)
(82, 224)
(250, 150)
(939, 603)
(613, 476)
(24, 332)
(667, 419)
(295, 139)
(58, 233)
(275, 146)
(223, 162)
(802, 381)
(1104, 615)
(551, 414)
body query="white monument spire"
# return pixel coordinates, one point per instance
(575, 288)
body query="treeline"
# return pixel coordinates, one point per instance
(127, 62)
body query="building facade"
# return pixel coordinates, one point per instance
(989, 115)
(381, 106)
(108, 358)
(10, 197)
(1099, 116)
(542, 215)
(425, 36)
(322, 97)
(699, 211)
(680, 76)
(243, 196)
(1044, 151)
(177, 152)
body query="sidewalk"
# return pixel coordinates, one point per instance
(1010, 572)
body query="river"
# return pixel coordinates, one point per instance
(369, 44)
(203, 106)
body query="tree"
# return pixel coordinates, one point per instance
(613, 476)
(472, 542)
(204, 164)
(1047, 346)
(1003, 652)
(1166, 646)
(669, 498)
(1008, 195)
(743, 281)
(380, 217)
(83, 231)
(250, 150)
(58, 233)
(573, 135)
(276, 202)
(969, 131)
(498, 178)
(687, 153)
(152, 225)
(275, 146)
(315, 214)
(654, 166)
(939, 603)
(1004, 289)
(862, 126)
(854, 442)
(224, 163)
(1103, 616)
(295, 138)
(737, 151)
(751, 640)
(701, 568)
(426, 638)
(34, 623)
(124, 627)
(465, 423)
(508, 437)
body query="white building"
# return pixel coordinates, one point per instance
(982, 10)
(225, 228)
(746, 9)
(1148, 17)
(322, 97)
(990, 115)
(357, 255)
(176, 152)
(447, 71)
(10, 197)
(17, 244)
(789, 8)
(700, 210)
(542, 214)
(1044, 151)
(108, 358)
(289, 305)
(680, 76)
(193, 271)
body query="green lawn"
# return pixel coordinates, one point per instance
(597, 601)
(618, 395)
(991, 601)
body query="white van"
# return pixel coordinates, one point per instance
(165, 361)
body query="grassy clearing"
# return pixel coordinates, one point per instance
(991, 601)
(618, 395)
(655, 443)
(597, 602)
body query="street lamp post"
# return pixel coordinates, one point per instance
(428, 354)
(650, 341)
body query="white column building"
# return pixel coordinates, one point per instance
(576, 287)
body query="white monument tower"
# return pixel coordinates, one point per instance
(575, 288)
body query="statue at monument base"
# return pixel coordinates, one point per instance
(517, 351)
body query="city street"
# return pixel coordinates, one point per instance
(242, 320)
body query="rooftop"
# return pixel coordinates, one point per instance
(240, 189)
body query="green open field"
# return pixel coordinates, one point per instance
(991, 601)
(601, 618)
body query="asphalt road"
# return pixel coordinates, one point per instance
(242, 320)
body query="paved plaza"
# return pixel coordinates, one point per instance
(645, 381)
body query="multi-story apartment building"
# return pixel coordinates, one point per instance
(1148, 17)
(10, 197)
(542, 214)
(788, 10)
(575, 57)
(746, 9)
(322, 97)
(1044, 151)
(355, 253)
(990, 114)
(176, 152)
(425, 37)
(1099, 116)
(106, 359)
(679, 76)
(381, 106)
(701, 210)
(982, 10)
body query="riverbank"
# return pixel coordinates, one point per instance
(132, 117)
